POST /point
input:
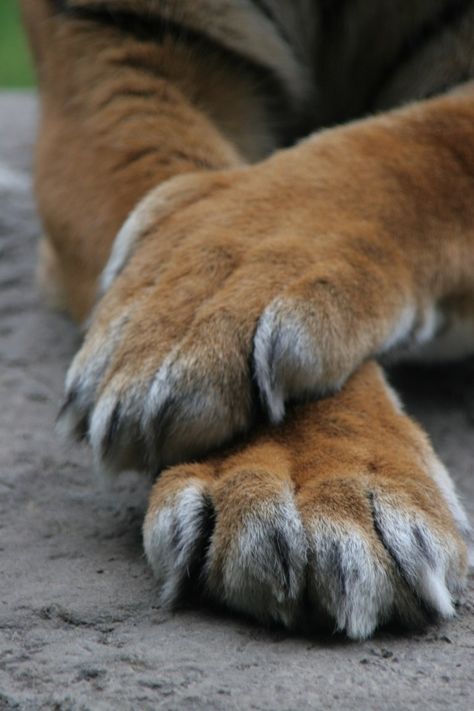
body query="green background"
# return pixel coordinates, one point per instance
(15, 64)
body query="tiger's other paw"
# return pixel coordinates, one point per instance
(343, 515)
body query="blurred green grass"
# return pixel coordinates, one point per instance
(15, 64)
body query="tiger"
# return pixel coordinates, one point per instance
(250, 206)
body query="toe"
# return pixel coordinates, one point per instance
(286, 359)
(176, 534)
(257, 557)
(427, 556)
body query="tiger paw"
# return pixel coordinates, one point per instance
(218, 300)
(342, 515)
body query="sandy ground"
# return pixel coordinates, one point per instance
(79, 624)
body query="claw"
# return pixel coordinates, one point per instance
(71, 420)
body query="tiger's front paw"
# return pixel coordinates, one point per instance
(342, 515)
(221, 291)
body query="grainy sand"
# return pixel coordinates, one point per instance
(79, 624)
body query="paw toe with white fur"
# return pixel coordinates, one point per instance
(175, 539)
(298, 355)
(261, 569)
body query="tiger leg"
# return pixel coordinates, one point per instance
(120, 115)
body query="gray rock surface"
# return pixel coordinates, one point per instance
(79, 623)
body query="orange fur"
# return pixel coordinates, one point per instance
(239, 274)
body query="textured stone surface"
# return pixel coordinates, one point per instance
(79, 624)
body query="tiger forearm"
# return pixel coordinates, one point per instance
(120, 116)
(407, 180)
